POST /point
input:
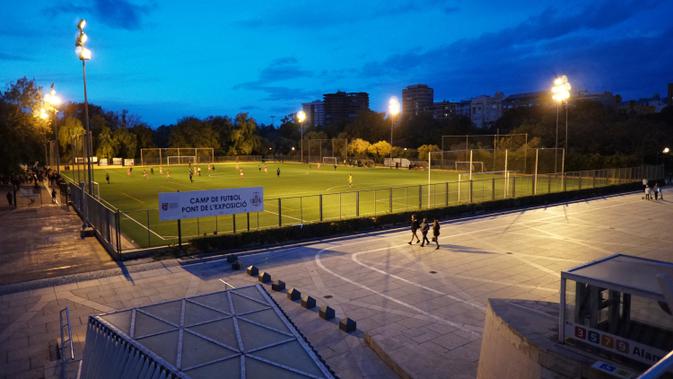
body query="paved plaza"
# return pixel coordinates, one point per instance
(423, 307)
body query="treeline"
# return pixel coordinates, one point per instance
(599, 136)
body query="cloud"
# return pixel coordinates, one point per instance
(300, 16)
(14, 57)
(120, 14)
(539, 38)
(279, 70)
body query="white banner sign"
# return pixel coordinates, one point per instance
(192, 204)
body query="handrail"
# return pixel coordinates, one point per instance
(660, 368)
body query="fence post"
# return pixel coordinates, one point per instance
(420, 196)
(471, 190)
(321, 207)
(233, 223)
(514, 187)
(446, 193)
(549, 183)
(580, 181)
(280, 218)
(593, 179)
(301, 209)
(493, 188)
(357, 204)
(247, 216)
(180, 234)
(149, 241)
(118, 231)
(533, 189)
(390, 200)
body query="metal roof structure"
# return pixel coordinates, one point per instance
(634, 274)
(236, 333)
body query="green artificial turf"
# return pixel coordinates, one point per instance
(302, 189)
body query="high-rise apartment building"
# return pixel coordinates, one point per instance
(417, 99)
(342, 107)
(315, 113)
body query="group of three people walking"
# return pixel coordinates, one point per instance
(424, 226)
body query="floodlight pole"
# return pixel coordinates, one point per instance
(392, 124)
(89, 146)
(301, 140)
(556, 139)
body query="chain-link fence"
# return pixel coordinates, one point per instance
(104, 220)
(142, 228)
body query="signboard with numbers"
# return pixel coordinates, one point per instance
(631, 349)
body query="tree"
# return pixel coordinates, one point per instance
(380, 149)
(244, 139)
(126, 143)
(106, 144)
(368, 125)
(358, 147)
(423, 151)
(70, 137)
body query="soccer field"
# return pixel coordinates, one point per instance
(307, 193)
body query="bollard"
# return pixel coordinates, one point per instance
(293, 294)
(236, 266)
(264, 277)
(252, 270)
(326, 312)
(347, 325)
(308, 302)
(278, 285)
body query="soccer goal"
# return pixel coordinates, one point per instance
(473, 166)
(329, 161)
(181, 159)
(173, 155)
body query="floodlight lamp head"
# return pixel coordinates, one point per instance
(81, 24)
(301, 116)
(393, 106)
(83, 53)
(666, 150)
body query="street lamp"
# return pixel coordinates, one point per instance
(393, 111)
(301, 117)
(84, 55)
(51, 103)
(560, 91)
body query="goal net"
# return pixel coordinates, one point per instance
(329, 160)
(474, 166)
(160, 156)
(181, 159)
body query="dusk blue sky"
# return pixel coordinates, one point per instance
(166, 59)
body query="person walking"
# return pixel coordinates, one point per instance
(10, 199)
(435, 232)
(53, 195)
(656, 191)
(191, 176)
(425, 228)
(277, 171)
(414, 228)
(647, 192)
(107, 177)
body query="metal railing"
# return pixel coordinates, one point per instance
(142, 228)
(103, 218)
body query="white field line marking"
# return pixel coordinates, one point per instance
(227, 284)
(466, 328)
(525, 261)
(294, 218)
(143, 226)
(133, 198)
(491, 281)
(354, 258)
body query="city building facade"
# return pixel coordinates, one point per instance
(342, 107)
(417, 99)
(486, 110)
(315, 113)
